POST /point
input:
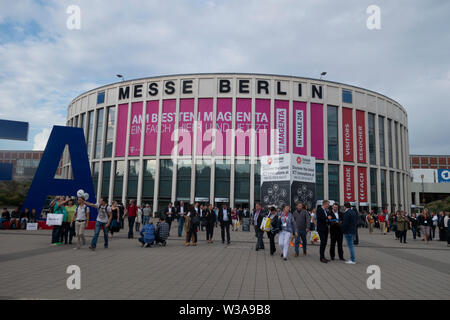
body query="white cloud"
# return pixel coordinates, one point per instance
(40, 140)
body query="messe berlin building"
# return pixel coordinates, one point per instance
(199, 137)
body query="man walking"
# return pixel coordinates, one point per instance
(169, 214)
(302, 221)
(181, 211)
(225, 221)
(322, 228)
(147, 211)
(257, 220)
(349, 226)
(131, 211)
(104, 218)
(336, 234)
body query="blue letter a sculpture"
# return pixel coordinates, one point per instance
(44, 183)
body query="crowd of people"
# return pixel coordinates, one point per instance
(17, 218)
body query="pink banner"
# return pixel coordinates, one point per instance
(300, 128)
(243, 126)
(151, 128)
(185, 126)
(349, 185)
(121, 135)
(317, 130)
(134, 146)
(281, 126)
(262, 126)
(167, 126)
(204, 126)
(224, 126)
(347, 134)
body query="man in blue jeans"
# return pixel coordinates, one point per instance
(181, 211)
(302, 222)
(349, 226)
(104, 218)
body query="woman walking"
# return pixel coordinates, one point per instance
(210, 218)
(402, 226)
(234, 219)
(69, 228)
(115, 222)
(287, 227)
(425, 223)
(273, 216)
(414, 225)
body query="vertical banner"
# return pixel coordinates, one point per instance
(243, 126)
(317, 135)
(134, 146)
(361, 136)
(151, 128)
(300, 128)
(224, 126)
(349, 183)
(121, 135)
(281, 126)
(347, 134)
(362, 184)
(262, 126)
(167, 126)
(204, 126)
(185, 126)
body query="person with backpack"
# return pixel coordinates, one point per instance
(273, 216)
(104, 218)
(81, 219)
(147, 235)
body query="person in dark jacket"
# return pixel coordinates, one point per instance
(210, 219)
(322, 228)
(302, 224)
(225, 222)
(336, 234)
(349, 227)
(273, 230)
(257, 220)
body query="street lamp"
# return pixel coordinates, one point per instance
(120, 76)
(322, 75)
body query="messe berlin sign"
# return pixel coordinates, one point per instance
(288, 178)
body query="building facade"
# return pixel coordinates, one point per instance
(24, 162)
(199, 137)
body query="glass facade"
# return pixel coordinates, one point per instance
(110, 126)
(133, 178)
(95, 173)
(397, 146)
(373, 187)
(184, 170)
(148, 185)
(202, 180)
(372, 147)
(390, 151)
(257, 181)
(165, 182)
(90, 130)
(242, 183)
(347, 96)
(222, 181)
(381, 141)
(118, 180)
(106, 175)
(99, 134)
(81, 123)
(319, 181)
(333, 140)
(383, 188)
(101, 97)
(333, 182)
(391, 189)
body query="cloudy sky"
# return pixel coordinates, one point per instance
(44, 65)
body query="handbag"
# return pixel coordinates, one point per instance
(266, 224)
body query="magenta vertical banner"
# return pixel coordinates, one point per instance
(121, 135)
(299, 124)
(243, 126)
(317, 130)
(134, 146)
(281, 126)
(204, 126)
(185, 126)
(347, 134)
(224, 126)
(168, 117)
(151, 128)
(262, 126)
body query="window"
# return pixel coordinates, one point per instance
(391, 189)
(184, 168)
(381, 141)
(397, 146)
(222, 181)
(95, 172)
(373, 187)
(148, 187)
(390, 151)
(118, 179)
(105, 179)
(333, 182)
(81, 123)
(347, 96)
(242, 182)
(202, 179)
(333, 145)
(257, 181)
(101, 97)
(383, 188)
(110, 125)
(133, 178)
(90, 130)
(372, 148)
(401, 148)
(165, 183)
(99, 134)
(319, 181)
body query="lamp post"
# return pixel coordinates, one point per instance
(322, 75)
(120, 77)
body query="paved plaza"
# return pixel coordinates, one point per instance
(30, 268)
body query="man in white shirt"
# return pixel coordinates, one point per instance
(81, 218)
(104, 218)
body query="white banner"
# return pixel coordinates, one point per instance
(54, 219)
(32, 226)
